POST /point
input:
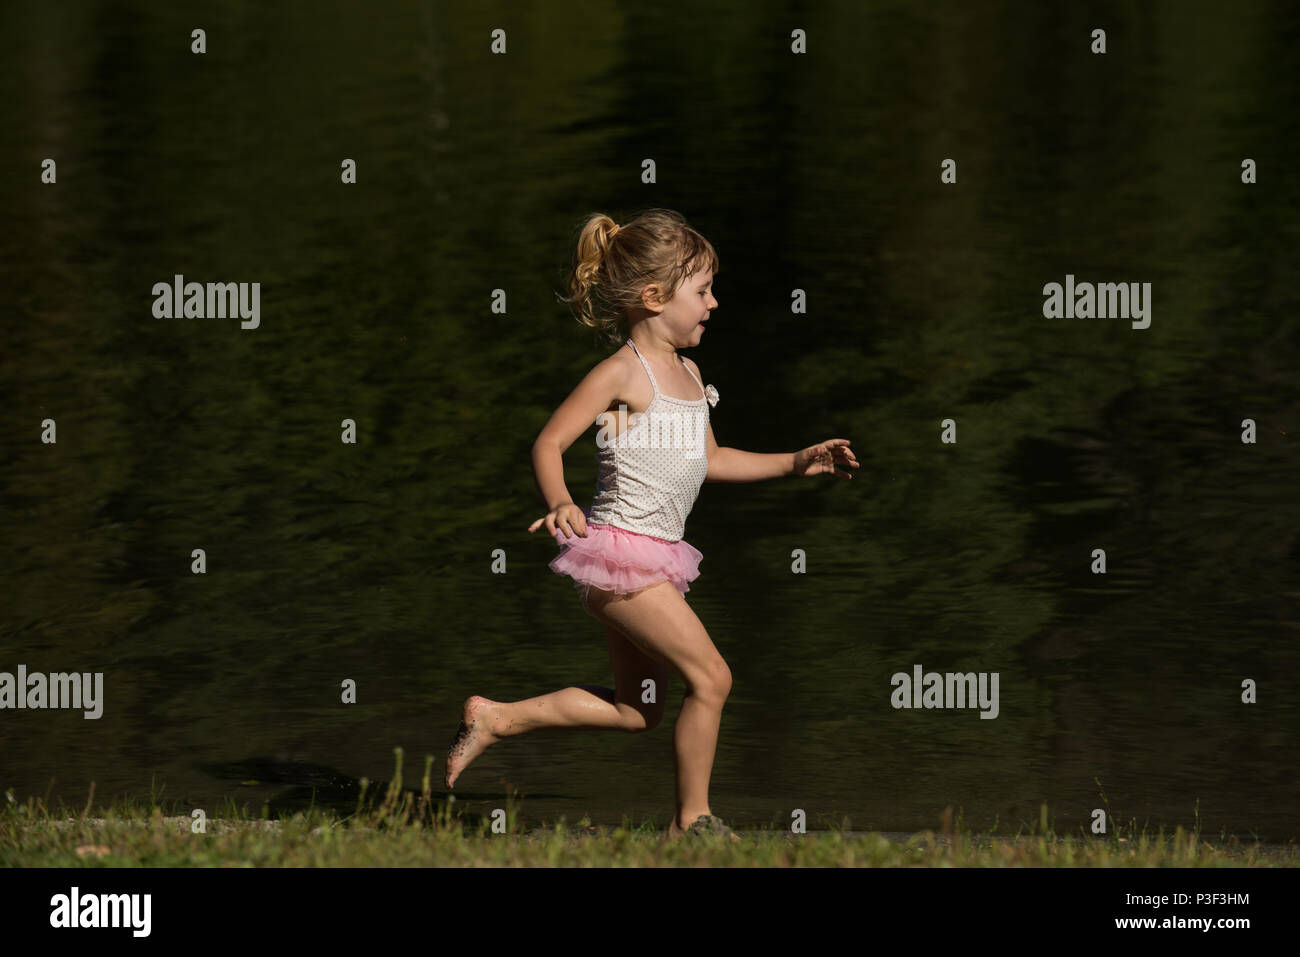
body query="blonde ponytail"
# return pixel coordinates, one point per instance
(607, 277)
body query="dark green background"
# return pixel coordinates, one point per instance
(818, 172)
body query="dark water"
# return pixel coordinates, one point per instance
(818, 172)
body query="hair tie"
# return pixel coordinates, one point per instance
(614, 230)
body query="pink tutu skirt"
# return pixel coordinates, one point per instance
(614, 559)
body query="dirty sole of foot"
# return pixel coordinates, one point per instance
(711, 825)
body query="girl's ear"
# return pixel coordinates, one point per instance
(650, 297)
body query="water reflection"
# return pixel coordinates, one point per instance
(371, 562)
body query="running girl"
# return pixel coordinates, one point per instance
(649, 286)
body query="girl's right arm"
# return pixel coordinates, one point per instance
(594, 395)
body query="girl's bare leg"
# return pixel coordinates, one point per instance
(658, 621)
(651, 631)
(484, 721)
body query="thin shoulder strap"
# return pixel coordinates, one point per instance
(645, 365)
(693, 375)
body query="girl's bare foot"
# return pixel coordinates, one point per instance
(705, 823)
(474, 736)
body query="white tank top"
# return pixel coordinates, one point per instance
(650, 474)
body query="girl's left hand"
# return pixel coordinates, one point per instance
(824, 458)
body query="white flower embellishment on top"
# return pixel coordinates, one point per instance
(711, 394)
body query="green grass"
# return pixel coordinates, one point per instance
(403, 828)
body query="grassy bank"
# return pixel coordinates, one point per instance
(395, 827)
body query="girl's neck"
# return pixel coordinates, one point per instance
(649, 347)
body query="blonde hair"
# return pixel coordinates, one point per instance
(613, 264)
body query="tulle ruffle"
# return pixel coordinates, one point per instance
(617, 560)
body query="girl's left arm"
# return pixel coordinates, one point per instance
(734, 465)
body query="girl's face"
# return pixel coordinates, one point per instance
(684, 315)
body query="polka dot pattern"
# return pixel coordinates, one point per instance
(650, 474)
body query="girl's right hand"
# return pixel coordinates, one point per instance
(568, 517)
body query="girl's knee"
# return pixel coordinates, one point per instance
(723, 677)
(714, 683)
